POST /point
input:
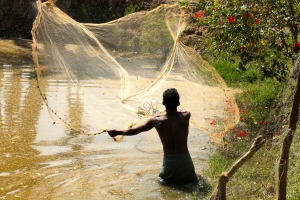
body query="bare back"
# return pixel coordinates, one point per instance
(173, 132)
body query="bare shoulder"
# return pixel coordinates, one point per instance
(186, 114)
(158, 118)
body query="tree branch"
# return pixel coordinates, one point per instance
(220, 191)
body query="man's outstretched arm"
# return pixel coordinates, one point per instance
(135, 130)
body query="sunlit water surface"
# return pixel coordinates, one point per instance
(43, 160)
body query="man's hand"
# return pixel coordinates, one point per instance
(114, 133)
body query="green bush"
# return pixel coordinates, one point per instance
(131, 9)
(262, 31)
(183, 2)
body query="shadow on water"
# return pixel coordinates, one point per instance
(16, 52)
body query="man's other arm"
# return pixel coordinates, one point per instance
(135, 130)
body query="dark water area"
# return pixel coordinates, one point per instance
(43, 160)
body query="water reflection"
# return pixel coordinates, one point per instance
(20, 108)
(43, 160)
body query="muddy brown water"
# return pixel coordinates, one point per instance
(42, 160)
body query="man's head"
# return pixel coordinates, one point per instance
(171, 98)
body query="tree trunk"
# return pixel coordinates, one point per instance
(287, 142)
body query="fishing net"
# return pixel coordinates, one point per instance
(95, 77)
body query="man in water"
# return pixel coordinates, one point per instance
(172, 128)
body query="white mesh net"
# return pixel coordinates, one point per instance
(95, 77)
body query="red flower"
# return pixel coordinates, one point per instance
(231, 19)
(243, 48)
(257, 21)
(297, 44)
(241, 134)
(243, 111)
(263, 123)
(246, 15)
(198, 15)
(234, 129)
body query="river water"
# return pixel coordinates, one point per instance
(43, 160)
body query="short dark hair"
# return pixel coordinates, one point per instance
(171, 98)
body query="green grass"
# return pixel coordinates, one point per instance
(259, 99)
(228, 71)
(294, 172)
(259, 94)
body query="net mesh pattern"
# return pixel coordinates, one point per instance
(95, 77)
